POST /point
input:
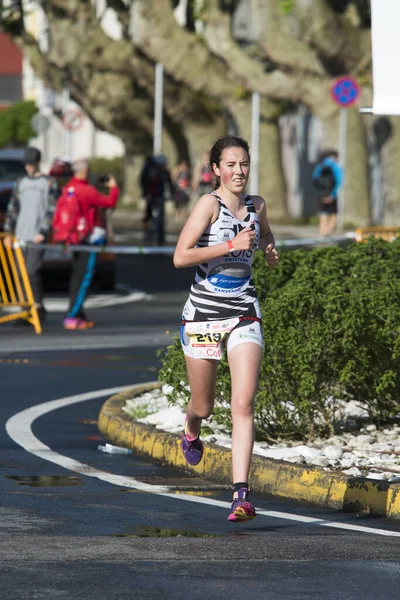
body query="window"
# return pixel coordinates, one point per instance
(11, 169)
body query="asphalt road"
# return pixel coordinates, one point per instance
(87, 531)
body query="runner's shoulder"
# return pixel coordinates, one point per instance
(258, 202)
(207, 202)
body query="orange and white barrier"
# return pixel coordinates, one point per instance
(15, 288)
(385, 233)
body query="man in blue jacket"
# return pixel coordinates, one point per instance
(327, 179)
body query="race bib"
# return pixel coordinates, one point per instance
(206, 337)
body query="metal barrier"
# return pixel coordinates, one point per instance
(169, 250)
(385, 233)
(15, 288)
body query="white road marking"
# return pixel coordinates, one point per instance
(109, 341)
(123, 295)
(19, 428)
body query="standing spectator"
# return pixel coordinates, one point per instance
(181, 181)
(29, 216)
(203, 177)
(91, 201)
(327, 179)
(154, 179)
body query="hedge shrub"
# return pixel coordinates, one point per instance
(331, 320)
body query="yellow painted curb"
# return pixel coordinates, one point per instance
(279, 478)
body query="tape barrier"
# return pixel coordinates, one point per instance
(300, 242)
(15, 288)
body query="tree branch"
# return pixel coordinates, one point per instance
(338, 43)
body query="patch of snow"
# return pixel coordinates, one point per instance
(368, 452)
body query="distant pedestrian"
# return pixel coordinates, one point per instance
(203, 176)
(29, 217)
(220, 238)
(181, 179)
(327, 180)
(155, 181)
(79, 219)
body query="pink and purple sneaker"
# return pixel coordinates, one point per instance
(192, 449)
(241, 509)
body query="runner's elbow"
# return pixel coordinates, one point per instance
(178, 261)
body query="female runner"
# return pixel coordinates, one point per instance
(220, 237)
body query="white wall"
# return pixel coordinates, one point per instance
(385, 51)
(87, 141)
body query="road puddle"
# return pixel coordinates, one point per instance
(162, 532)
(45, 480)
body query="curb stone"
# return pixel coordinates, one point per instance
(268, 476)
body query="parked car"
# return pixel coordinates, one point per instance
(11, 168)
(56, 264)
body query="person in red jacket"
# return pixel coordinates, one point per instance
(84, 263)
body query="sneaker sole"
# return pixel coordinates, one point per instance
(240, 516)
(78, 327)
(192, 464)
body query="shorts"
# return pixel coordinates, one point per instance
(244, 332)
(330, 208)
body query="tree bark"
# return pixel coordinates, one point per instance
(271, 179)
(133, 166)
(390, 155)
(356, 179)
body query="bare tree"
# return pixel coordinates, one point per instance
(301, 46)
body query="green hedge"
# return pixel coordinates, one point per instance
(15, 124)
(331, 321)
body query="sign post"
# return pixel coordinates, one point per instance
(255, 142)
(158, 109)
(72, 120)
(345, 92)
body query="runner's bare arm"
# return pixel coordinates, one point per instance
(267, 240)
(266, 236)
(204, 212)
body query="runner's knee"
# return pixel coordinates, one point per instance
(242, 407)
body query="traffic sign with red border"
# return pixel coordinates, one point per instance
(73, 119)
(345, 91)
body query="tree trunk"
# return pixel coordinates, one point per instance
(271, 179)
(200, 138)
(272, 183)
(391, 175)
(133, 167)
(356, 177)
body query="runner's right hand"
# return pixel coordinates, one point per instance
(244, 240)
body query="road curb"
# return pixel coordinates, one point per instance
(279, 478)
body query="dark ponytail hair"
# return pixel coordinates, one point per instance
(229, 141)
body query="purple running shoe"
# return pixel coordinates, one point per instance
(241, 509)
(192, 449)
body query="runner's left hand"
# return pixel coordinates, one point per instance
(271, 255)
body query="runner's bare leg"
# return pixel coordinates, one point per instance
(244, 363)
(202, 375)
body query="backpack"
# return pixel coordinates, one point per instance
(70, 224)
(325, 183)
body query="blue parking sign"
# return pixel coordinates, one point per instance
(345, 91)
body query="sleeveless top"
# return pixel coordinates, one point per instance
(224, 287)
